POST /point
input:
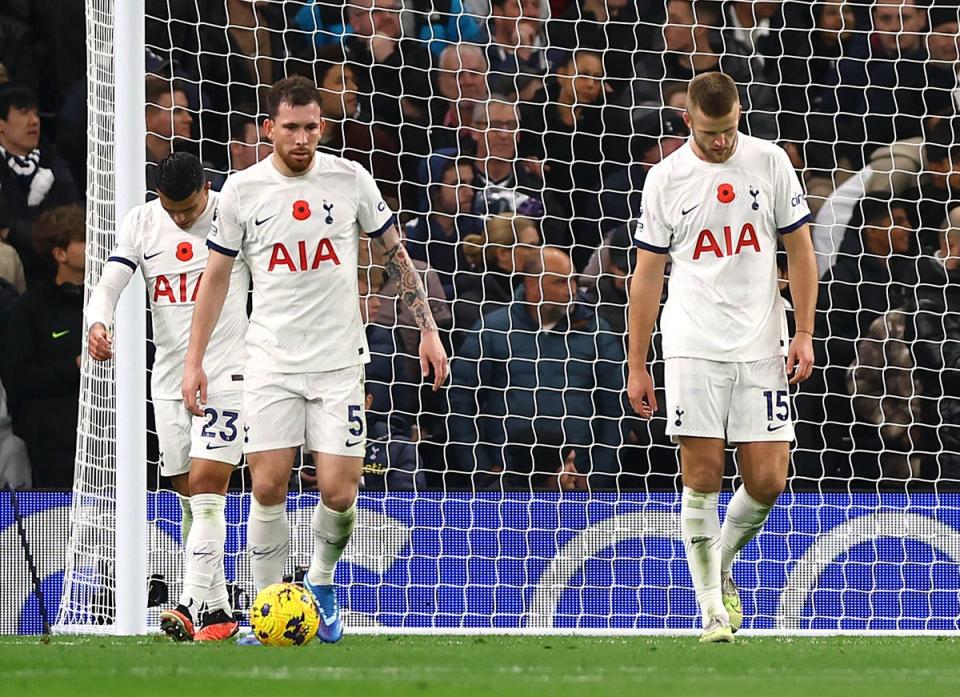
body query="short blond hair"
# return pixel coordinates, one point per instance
(715, 94)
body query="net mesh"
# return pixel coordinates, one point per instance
(527, 494)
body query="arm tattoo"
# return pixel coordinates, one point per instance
(399, 265)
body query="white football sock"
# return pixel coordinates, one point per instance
(745, 516)
(203, 554)
(331, 532)
(268, 543)
(186, 518)
(700, 529)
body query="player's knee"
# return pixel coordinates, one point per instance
(340, 499)
(270, 493)
(767, 489)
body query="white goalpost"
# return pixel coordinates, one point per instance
(849, 549)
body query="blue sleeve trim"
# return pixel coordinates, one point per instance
(383, 228)
(223, 250)
(124, 260)
(651, 247)
(791, 228)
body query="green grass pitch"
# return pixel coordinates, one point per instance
(492, 666)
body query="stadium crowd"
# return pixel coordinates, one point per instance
(497, 128)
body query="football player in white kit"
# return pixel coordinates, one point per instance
(717, 207)
(166, 240)
(297, 218)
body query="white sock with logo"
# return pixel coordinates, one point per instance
(700, 530)
(331, 532)
(268, 542)
(745, 516)
(203, 555)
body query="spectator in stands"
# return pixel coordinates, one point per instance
(492, 276)
(248, 143)
(574, 132)
(606, 288)
(611, 28)
(31, 180)
(345, 134)
(942, 81)
(434, 237)
(657, 134)
(461, 84)
(535, 380)
(813, 39)
(392, 73)
(691, 44)
(937, 351)
(516, 53)
(939, 177)
(11, 268)
(754, 26)
(42, 347)
(503, 182)
(169, 122)
(873, 275)
(244, 48)
(875, 89)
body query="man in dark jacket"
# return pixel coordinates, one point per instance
(31, 180)
(536, 380)
(41, 366)
(936, 351)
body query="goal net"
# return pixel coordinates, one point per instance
(526, 495)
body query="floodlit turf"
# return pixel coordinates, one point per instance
(491, 666)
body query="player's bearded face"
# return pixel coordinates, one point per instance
(295, 133)
(715, 138)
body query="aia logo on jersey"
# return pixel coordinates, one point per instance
(175, 289)
(185, 251)
(301, 210)
(281, 256)
(707, 242)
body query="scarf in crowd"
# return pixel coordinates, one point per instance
(30, 175)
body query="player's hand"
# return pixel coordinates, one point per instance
(432, 354)
(800, 358)
(194, 385)
(99, 343)
(640, 393)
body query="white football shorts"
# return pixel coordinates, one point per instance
(739, 402)
(323, 411)
(217, 435)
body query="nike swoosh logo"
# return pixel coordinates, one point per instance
(350, 444)
(330, 620)
(260, 221)
(216, 447)
(147, 257)
(57, 335)
(684, 211)
(771, 429)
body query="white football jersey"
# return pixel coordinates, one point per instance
(172, 261)
(719, 223)
(300, 236)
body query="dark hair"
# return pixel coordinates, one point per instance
(295, 91)
(179, 176)
(326, 59)
(17, 96)
(943, 140)
(156, 87)
(58, 227)
(715, 94)
(240, 119)
(871, 209)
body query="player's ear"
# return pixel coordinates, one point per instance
(268, 127)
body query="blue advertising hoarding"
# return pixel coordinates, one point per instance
(542, 561)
